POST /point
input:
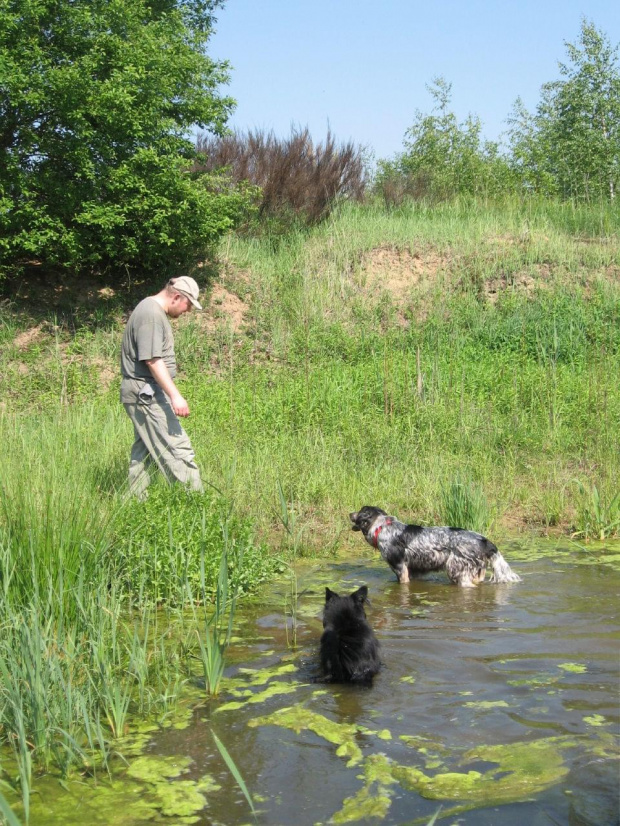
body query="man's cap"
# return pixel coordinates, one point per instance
(187, 287)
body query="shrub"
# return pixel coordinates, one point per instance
(174, 541)
(299, 181)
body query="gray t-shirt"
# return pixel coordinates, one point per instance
(148, 335)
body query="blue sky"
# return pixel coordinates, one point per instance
(362, 67)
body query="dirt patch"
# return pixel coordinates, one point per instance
(224, 309)
(398, 271)
(403, 275)
(106, 373)
(228, 305)
(29, 337)
(535, 278)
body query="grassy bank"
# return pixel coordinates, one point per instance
(376, 359)
(460, 360)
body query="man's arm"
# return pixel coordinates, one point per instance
(161, 374)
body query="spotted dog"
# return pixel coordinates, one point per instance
(411, 549)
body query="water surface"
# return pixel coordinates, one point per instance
(499, 703)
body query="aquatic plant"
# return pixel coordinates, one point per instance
(234, 771)
(288, 519)
(173, 540)
(216, 625)
(7, 812)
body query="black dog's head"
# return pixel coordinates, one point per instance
(363, 519)
(334, 602)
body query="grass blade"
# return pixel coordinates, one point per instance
(234, 771)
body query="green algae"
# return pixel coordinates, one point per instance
(273, 690)
(151, 768)
(574, 668)
(248, 678)
(575, 554)
(523, 770)
(148, 791)
(374, 798)
(595, 720)
(488, 704)
(299, 718)
(541, 680)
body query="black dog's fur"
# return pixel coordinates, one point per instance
(349, 648)
(411, 549)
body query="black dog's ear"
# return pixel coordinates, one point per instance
(329, 594)
(361, 595)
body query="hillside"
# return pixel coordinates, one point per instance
(406, 359)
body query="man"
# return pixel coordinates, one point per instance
(148, 391)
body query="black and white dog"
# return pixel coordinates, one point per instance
(349, 648)
(411, 549)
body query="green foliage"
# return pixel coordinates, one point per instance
(443, 157)
(97, 100)
(571, 145)
(174, 541)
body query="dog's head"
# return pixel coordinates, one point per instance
(356, 600)
(363, 519)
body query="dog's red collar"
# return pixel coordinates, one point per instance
(375, 536)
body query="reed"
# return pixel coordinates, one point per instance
(213, 633)
(232, 766)
(291, 597)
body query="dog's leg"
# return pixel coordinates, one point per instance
(403, 575)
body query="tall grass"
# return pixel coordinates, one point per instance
(85, 648)
(464, 505)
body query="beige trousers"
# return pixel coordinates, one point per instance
(159, 439)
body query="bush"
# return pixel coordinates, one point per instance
(299, 182)
(174, 540)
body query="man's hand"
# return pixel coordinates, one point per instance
(179, 405)
(160, 373)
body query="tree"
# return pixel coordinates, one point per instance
(443, 157)
(571, 146)
(97, 98)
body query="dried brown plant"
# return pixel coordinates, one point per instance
(299, 180)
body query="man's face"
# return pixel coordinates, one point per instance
(179, 305)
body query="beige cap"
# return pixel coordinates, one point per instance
(187, 287)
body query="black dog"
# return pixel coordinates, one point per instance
(411, 549)
(349, 648)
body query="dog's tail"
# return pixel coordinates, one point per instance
(502, 572)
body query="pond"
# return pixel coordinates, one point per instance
(498, 704)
